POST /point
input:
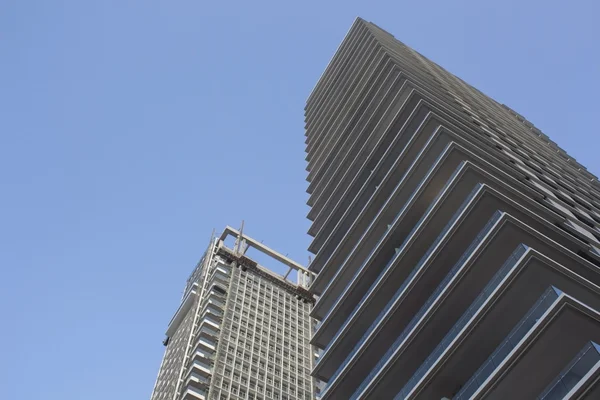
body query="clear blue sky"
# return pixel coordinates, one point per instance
(130, 129)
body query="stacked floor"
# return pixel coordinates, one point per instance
(456, 247)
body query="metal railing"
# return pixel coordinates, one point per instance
(510, 342)
(470, 250)
(381, 211)
(433, 246)
(573, 373)
(504, 270)
(478, 239)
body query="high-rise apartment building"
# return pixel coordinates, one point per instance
(241, 332)
(457, 247)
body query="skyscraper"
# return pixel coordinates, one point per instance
(456, 246)
(241, 331)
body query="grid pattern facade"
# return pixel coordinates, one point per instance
(241, 332)
(175, 356)
(264, 350)
(439, 219)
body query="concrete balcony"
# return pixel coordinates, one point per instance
(213, 303)
(220, 276)
(318, 136)
(575, 373)
(201, 367)
(220, 291)
(588, 387)
(212, 315)
(485, 336)
(483, 205)
(396, 120)
(319, 94)
(206, 344)
(381, 99)
(407, 128)
(192, 393)
(210, 323)
(371, 180)
(453, 235)
(213, 310)
(412, 349)
(401, 309)
(495, 243)
(217, 291)
(322, 126)
(518, 332)
(203, 355)
(392, 234)
(197, 381)
(469, 137)
(461, 188)
(356, 131)
(184, 308)
(212, 297)
(380, 76)
(212, 318)
(555, 340)
(208, 332)
(360, 227)
(409, 253)
(409, 200)
(368, 132)
(338, 88)
(466, 319)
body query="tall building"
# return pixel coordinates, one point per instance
(456, 246)
(241, 332)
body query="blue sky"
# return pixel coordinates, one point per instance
(130, 129)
